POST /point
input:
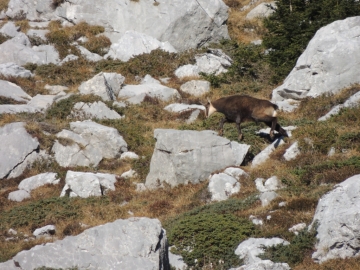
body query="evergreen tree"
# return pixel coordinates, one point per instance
(294, 23)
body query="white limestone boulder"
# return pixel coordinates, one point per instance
(9, 29)
(329, 63)
(39, 180)
(196, 88)
(14, 70)
(292, 152)
(93, 57)
(222, 186)
(104, 85)
(135, 94)
(351, 102)
(214, 62)
(263, 10)
(12, 91)
(45, 231)
(187, 156)
(185, 25)
(96, 110)
(87, 144)
(180, 107)
(250, 249)
(337, 215)
(127, 244)
(86, 184)
(16, 144)
(133, 43)
(18, 195)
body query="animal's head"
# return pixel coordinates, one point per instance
(209, 108)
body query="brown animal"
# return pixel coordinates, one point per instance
(241, 108)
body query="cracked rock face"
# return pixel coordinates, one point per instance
(187, 156)
(338, 218)
(87, 144)
(16, 144)
(127, 244)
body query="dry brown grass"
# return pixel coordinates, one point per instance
(337, 264)
(3, 4)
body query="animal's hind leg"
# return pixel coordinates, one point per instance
(238, 122)
(222, 121)
(282, 131)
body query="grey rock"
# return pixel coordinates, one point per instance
(135, 243)
(86, 184)
(193, 116)
(214, 62)
(263, 10)
(129, 174)
(94, 57)
(270, 184)
(189, 24)
(38, 10)
(18, 50)
(237, 173)
(337, 214)
(135, 94)
(39, 180)
(196, 87)
(14, 109)
(133, 43)
(187, 156)
(351, 102)
(68, 58)
(38, 33)
(38, 156)
(187, 71)
(250, 249)
(180, 107)
(11, 90)
(43, 102)
(9, 29)
(328, 64)
(264, 265)
(96, 110)
(297, 228)
(222, 186)
(55, 89)
(177, 262)
(267, 197)
(89, 143)
(45, 231)
(130, 155)
(15, 145)
(105, 85)
(149, 79)
(18, 195)
(292, 152)
(264, 154)
(14, 70)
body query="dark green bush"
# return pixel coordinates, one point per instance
(300, 247)
(207, 238)
(40, 213)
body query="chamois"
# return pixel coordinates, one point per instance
(240, 108)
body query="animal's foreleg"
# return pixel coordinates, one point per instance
(222, 121)
(274, 124)
(238, 122)
(282, 131)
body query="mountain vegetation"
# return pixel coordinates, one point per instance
(212, 230)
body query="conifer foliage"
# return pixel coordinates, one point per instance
(294, 23)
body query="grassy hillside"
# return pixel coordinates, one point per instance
(306, 178)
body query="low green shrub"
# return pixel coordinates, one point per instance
(40, 213)
(207, 238)
(300, 247)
